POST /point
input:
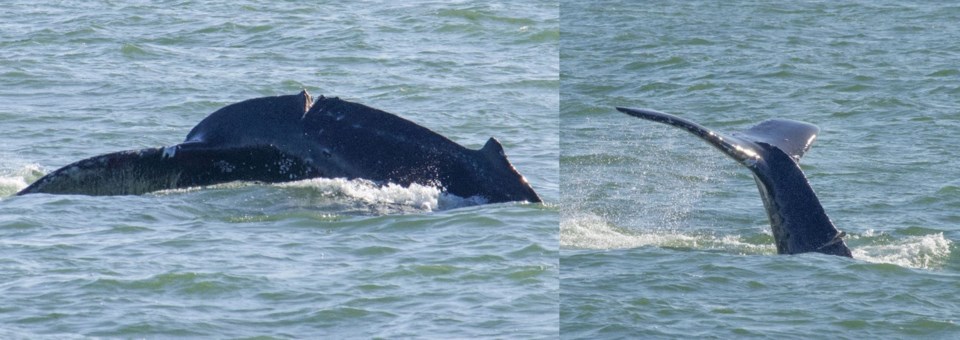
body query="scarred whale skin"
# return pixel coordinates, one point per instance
(289, 138)
(772, 150)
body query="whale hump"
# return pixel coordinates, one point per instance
(252, 121)
(771, 151)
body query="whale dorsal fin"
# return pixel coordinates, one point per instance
(792, 137)
(492, 148)
(493, 151)
(307, 101)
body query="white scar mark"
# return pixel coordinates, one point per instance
(169, 152)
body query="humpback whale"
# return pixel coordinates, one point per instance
(772, 150)
(289, 138)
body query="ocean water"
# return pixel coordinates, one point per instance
(660, 236)
(664, 237)
(323, 258)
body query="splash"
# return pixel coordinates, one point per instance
(923, 251)
(589, 231)
(14, 180)
(418, 197)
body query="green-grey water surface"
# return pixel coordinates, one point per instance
(664, 237)
(313, 259)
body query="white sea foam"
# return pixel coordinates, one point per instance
(589, 231)
(15, 179)
(419, 197)
(925, 251)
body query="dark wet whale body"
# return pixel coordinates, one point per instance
(771, 150)
(289, 138)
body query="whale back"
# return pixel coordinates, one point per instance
(259, 121)
(287, 138)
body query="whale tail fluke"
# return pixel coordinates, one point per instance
(772, 150)
(792, 137)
